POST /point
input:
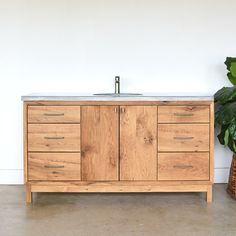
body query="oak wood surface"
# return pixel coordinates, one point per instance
(70, 187)
(25, 141)
(54, 166)
(212, 138)
(54, 114)
(110, 184)
(54, 137)
(100, 143)
(138, 143)
(183, 114)
(183, 137)
(183, 166)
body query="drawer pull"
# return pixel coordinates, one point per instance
(183, 138)
(182, 166)
(55, 114)
(54, 137)
(183, 114)
(48, 166)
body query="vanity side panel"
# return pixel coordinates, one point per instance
(212, 138)
(25, 140)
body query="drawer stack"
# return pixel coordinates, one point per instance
(183, 143)
(54, 143)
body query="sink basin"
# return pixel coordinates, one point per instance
(118, 94)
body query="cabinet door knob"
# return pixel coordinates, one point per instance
(122, 110)
(116, 110)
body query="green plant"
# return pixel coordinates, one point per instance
(225, 115)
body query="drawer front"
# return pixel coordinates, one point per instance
(54, 137)
(54, 166)
(183, 137)
(183, 114)
(54, 114)
(183, 166)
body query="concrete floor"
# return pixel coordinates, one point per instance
(58, 214)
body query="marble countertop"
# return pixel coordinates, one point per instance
(143, 97)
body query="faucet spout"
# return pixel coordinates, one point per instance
(117, 84)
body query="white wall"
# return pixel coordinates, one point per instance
(79, 46)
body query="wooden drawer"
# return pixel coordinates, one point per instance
(54, 166)
(183, 137)
(54, 137)
(183, 114)
(53, 114)
(183, 166)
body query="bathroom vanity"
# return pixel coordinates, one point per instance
(75, 143)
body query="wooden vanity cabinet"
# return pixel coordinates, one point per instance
(88, 146)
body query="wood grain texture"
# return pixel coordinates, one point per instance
(54, 114)
(138, 143)
(209, 194)
(54, 137)
(183, 114)
(28, 193)
(118, 187)
(54, 166)
(25, 141)
(183, 137)
(212, 137)
(183, 166)
(100, 143)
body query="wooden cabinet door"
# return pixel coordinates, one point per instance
(100, 143)
(138, 143)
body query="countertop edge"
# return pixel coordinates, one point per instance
(115, 99)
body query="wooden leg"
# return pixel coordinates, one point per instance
(209, 194)
(28, 194)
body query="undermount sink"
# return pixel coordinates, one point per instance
(117, 94)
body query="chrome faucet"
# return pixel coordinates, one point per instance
(117, 84)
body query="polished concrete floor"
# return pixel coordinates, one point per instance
(58, 214)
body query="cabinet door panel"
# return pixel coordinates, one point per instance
(138, 143)
(99, 126)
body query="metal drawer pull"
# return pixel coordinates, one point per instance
(47, 166)
(182, 167)
(54, 137)
(183, 114)
(183, 138)
(57, 114)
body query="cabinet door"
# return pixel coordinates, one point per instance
(138, 143)
(99, 141)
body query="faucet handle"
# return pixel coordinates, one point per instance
(117, 78)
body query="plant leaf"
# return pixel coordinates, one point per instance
(226, 94)
(231, 78)
(221, 135)
(226, 137)
(228, 62)
(233, 69)
(232, 145)
(226, 114)
(232, 129)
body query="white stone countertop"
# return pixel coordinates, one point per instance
(122, 97)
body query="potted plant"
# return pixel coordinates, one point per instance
(225, 118)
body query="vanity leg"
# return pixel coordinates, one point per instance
(209, 194)
(28, 194)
